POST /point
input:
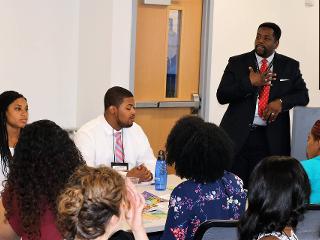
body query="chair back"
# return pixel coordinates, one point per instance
(309, 227)
(217, 230)
(301, 126)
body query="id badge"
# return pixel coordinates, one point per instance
(120, 166)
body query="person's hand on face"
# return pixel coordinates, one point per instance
(134, 210)
(140, 172)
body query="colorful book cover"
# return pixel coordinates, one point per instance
(151, 200)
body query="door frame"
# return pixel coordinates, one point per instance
(205, 54)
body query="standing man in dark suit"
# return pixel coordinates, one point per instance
(260, 87)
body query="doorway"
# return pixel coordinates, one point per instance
(169, 65)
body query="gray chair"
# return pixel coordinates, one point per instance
(302, 121)
(309, 228)
(217, 230)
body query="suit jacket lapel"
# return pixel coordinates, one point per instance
(276, 64)
(251, 61)
(276, 69)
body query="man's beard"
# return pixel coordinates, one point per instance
(124, 125)
(264, 52)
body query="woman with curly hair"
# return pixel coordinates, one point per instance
(13, 117)
(95, 202)
(201, 152)
(45, 157)
(278, 195)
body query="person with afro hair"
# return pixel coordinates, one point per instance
(201, 152)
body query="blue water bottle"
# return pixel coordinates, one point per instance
(161, 172)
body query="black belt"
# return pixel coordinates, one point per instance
(254, 127)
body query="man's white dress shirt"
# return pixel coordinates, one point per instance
(257, 119)
(95, 141)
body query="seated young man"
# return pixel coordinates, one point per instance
(115, 140)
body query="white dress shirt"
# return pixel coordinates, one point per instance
(95, 141)
(257, 119)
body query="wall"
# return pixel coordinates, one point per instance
(111, 65)
(63, 55)
(234, 29)
(95, 22)
(104, 53)
(38, 56)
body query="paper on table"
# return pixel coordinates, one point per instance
(151, 200)
(155, 214)
(165, 197)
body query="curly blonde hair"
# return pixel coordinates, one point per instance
(91, 198)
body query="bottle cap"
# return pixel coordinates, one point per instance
(161, 155)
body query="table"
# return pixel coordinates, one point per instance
(155, 221)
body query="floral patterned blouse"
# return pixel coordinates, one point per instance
(192, 203)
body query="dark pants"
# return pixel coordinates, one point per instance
(254, 149)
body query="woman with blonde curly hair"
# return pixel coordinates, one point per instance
(95, 202)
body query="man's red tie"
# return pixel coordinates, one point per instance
(264, 92)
